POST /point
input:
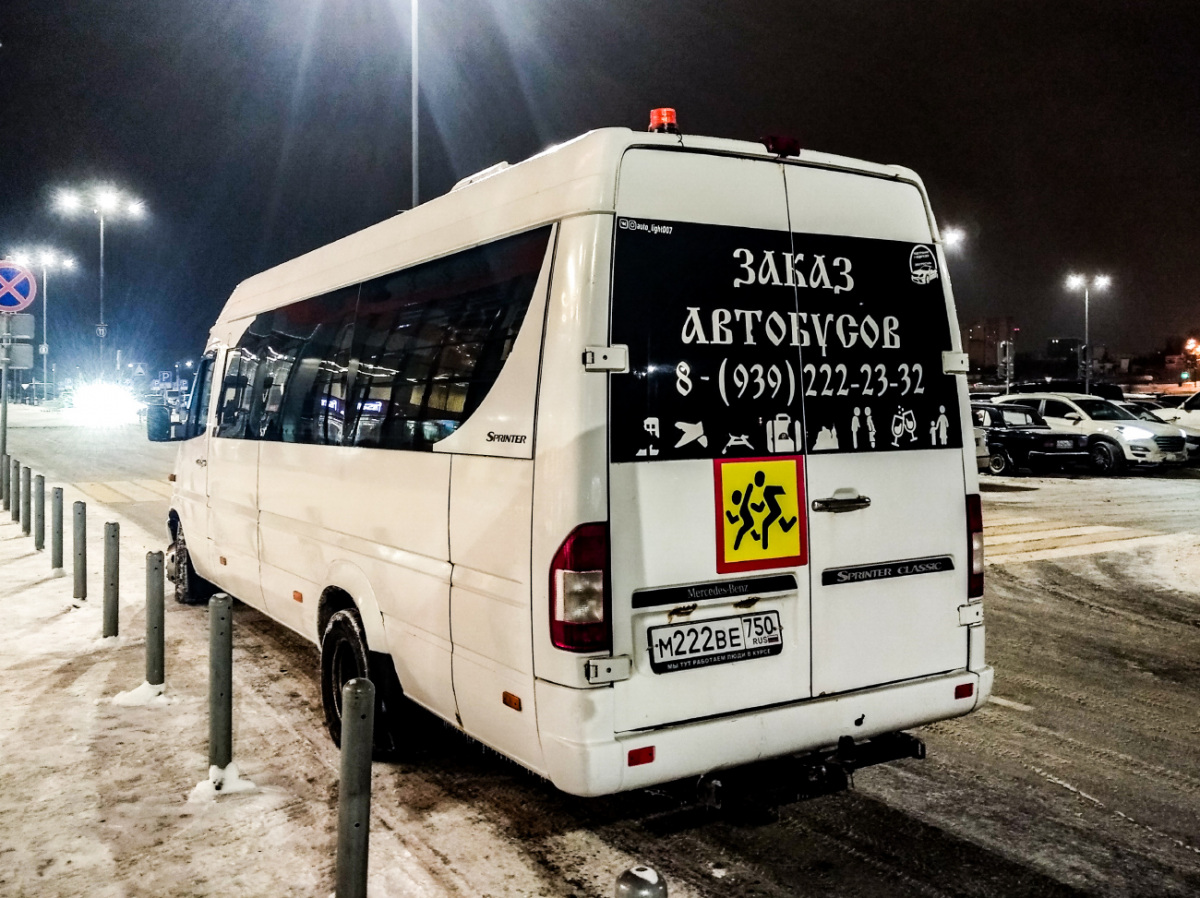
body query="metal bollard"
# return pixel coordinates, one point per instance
(112, 579)
(155, 652)
(26, 489)
(220, 681)
(354, 789)
(4, 480)
(80, 591)
(641, 882)
(14, 487)
(56, 533)
(39, 512)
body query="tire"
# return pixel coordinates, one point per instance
(190, 587)
(344, 657)
(1107, 459)
(1000, 463)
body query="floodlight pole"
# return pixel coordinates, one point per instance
(45, 332)
(1087, 346)
(101, 330)
(415, 108)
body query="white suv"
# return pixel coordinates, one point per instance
(1115, 437)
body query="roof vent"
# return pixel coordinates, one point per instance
(480, 175)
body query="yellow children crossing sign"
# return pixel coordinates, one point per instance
(760, 513)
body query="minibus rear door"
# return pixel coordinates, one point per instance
(709, 585)
(885, 476)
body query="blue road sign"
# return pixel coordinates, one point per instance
(17, 287)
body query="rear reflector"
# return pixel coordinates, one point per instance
(974, 547)
(964, 690)
(639, 756)
(579, 591)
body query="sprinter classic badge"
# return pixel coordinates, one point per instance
(760, 513)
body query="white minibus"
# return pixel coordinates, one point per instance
(645, 458)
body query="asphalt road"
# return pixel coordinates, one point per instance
(1081, 778)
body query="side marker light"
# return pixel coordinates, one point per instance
(639, 756)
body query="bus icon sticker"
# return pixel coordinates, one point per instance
(760, 513)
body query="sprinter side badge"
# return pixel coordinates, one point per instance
(760, 519)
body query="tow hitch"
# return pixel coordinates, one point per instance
(782, 781)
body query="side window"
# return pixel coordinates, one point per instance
(312, 405)
(1192, 403)
(1057, 409)
(430, 341)
(201, 390)
(237, 387)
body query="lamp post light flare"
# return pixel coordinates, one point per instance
(1081, 282)
(106, 202)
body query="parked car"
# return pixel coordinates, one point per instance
(1018, 437)
(1115, 437)
(982, 456)
(1144, 411)
(1187, 412)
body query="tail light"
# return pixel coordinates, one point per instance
(579, 596)
(974, 547)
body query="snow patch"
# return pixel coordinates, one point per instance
(221, 781)
(146, 695)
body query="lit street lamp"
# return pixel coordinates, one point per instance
(1082, 282)
(952, 237)
(106, 203)
(47, 259)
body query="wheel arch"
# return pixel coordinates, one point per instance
(349, 587)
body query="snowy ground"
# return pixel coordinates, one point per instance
(1080, 779)
(94, 796)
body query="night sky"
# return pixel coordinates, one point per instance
(1060, 135)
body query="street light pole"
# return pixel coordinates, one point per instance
(415, 108)
(105, 201)
(1075, 282)
(1087, 348)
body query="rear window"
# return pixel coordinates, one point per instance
(1021, 417)
(746, 342)
(1102, 410)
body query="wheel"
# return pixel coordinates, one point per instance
(190, 587)
(344, 657)
(1107, 459)
(1000, 463)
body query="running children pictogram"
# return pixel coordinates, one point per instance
(760, 513)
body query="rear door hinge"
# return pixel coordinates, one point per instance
(606, 358)
(971, 614)
(607, 670)
(955, 363)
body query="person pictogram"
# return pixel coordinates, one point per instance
(771, 496)
(741, 498)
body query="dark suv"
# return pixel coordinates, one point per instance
(1019, 437)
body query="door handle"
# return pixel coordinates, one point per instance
(843, 499)
(202, 462)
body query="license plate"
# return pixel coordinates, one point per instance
(721, 640)
(1065, 444)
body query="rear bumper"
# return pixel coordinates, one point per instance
(1058, 456)
(587, 759)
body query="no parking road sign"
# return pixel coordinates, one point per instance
(17, 287)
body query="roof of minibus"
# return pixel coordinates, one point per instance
(572, 178)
